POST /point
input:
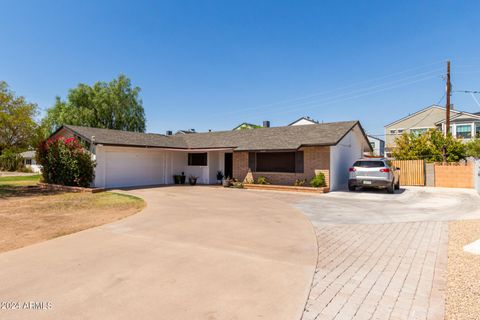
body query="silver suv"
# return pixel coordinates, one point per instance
(372, 172)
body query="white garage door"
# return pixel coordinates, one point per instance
(134, 168)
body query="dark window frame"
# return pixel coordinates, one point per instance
(198, 159)
(259, 161)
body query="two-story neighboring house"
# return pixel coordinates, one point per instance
(463, 125)
(378, 145)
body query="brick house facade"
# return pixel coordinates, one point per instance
(314, 159)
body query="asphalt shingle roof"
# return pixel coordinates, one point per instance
(274, 138)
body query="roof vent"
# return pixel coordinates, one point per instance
(169, 132)
(266, 124)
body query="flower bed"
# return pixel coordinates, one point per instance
(59, 187)
(274, 187)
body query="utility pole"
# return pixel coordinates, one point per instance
(447, 111)
(447, 104)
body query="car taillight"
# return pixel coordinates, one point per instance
(384, 170)
(352, 169)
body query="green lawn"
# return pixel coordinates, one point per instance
(20, 180)
(11, 186)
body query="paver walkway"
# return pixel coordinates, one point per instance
(383, 256)
(379, 271)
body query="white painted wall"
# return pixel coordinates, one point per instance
(34, 167)
(343, 155)
(216, 163)
(302, 122)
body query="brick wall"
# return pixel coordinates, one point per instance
(454, 176)
(314, 159)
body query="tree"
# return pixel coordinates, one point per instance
(17, 124)
(473, 148)
(429, 147)
(113, 105)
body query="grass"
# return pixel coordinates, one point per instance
(17, 185)
(33, 179)
(30, 214)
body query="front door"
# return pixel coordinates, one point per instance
(228, 171)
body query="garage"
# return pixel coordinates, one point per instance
(122, 167)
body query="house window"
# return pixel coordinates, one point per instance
(276, 161)
(28, 162)
(477, 129)
(400, 131)
(418, 131)
(372, 144)
(464, 131)
(197, 159)
(393, 131)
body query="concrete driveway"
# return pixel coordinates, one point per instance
(383, 256)
(193, 253)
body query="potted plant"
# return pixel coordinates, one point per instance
(192, 180)
(227, 182)
(182, 178)
(177, 178)
(219, 176)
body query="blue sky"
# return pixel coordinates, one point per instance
(214, 64)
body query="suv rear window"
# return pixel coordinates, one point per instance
(369, 164)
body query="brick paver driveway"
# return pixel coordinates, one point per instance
(383, 256)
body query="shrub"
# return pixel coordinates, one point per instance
(262, 180)
(300, 182)
(237, 184)
(473, 148)
(10, 161)
(66, 162)
(318, 181)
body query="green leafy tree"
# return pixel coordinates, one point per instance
(112, 105)
(428, 146)
(473, 148)
(18, 128)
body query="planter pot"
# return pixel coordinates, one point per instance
(177, 179)
(182, 179)
(227, 183)
(192, 181)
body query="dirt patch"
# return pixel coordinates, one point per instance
(463, 285)
(31, 215)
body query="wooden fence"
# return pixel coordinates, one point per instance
(412, 172)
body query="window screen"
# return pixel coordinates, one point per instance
(197, 159)
(275, 162)
(464, 131)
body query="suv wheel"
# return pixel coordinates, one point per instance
(351, 188)
(390, 188)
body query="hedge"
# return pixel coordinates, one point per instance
(66, 162)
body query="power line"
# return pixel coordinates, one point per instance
(347, 97)
(340, 88)
(466, 91)
(350, 95)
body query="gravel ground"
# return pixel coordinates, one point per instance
(463, 285)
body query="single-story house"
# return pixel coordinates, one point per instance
(30, 162)
(281, 154)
